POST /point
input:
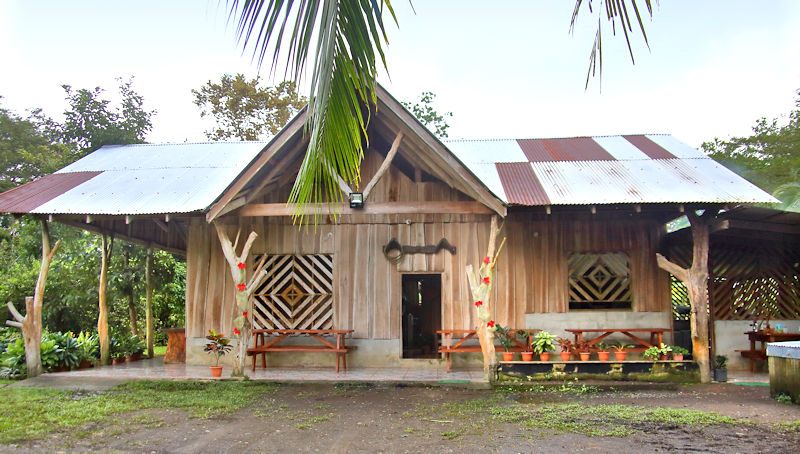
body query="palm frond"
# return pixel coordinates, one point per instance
(350, 35)
(615, 10)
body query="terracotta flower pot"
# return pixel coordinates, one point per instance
(602, 356)
(527, 356)
(565, 356)
(116, 361)
(663, 358)
(216, 371)
(620, 356)
(584, 356)
(545, 356)
(677, 356)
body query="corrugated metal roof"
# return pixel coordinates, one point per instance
(136, 179)
(603, 170)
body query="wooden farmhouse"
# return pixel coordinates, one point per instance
(583, 220)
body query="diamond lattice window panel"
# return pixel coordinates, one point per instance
(599, 281)
(297, 293)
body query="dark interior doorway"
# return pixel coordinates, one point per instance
(422, 314)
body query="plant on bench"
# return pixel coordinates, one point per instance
(619, 351)
(678, 352)
(507, 336)
(566, 346)
(584, 350)
(602, 351)
(527, 353)
(543, 344)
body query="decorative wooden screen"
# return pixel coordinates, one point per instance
(297, 294)
(599, 281)
(749, 281)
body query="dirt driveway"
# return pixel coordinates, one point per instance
(567, 418)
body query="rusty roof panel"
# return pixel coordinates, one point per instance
(520, 184)
(29, 196)
(648, 147)
(569, 149)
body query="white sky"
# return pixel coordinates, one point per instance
(505, 69)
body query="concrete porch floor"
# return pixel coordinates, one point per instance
(155, 369)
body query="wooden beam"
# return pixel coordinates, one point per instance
(384, 165)
(276, 144)
(283, 209)
(161, 225)
(763, 226)
(144, 242)
(276, 167)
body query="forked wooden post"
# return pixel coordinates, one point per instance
(696, 280)
(102, 318)
(31, 323)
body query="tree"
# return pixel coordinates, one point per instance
(770, 157)
(26, 153)
(427, 115)
(244, 110)
(91, 122)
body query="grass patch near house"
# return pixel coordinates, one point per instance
(29, 413)
(159, 350)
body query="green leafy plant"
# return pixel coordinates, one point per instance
(89, 346)
(783, 399)
(543, 342)
(506, 337)
(218, 344)
(678, 350)
(67, 349)
(720, 362)
(525, 335)
(601, 347)
(652, 353)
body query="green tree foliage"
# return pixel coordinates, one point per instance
(244, 110)
(26, 153)
(770, 157)
(427, 115)
(91, 121)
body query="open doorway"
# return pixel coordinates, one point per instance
(422, 314)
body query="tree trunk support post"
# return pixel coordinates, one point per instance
(31, 323)
(696, 280)
(102, 317)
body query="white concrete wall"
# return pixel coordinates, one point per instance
(729, 336)
(556, 323)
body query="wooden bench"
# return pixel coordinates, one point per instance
(446, 346)
(262, 348)
(656, 336)
(759, 354)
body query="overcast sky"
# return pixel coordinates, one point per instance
(506, 69)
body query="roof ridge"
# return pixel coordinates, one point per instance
(447, 140)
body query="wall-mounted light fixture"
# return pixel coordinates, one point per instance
(356, 200)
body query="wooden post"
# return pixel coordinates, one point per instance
(696, 280)
(244, 291)
(481, 286)
(31, 323)
(148, 308)
(102, 318)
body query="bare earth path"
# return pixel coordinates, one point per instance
(343, 419)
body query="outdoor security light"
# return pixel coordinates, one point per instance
(356, 200)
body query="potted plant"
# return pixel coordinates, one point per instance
(602, 351)
(652, 353)
(89, 347)
(543, 344)
(720, 368)
(507, 341)
(584, 351)
(527, 354)
(566, 348)
(664, 352)
(678, 352)
(619, 351)
(218, 345)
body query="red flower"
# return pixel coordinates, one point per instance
(244, 314)
(479, 303)
(486, 280)
(487, 260)
(236, 331)
(241, 265)
(241, 287)
(490, 324)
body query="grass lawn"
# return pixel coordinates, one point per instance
(159, 350)
(28, 413)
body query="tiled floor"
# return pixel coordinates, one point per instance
(156, 369)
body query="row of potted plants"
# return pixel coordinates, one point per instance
(128, 349)
(542, 343)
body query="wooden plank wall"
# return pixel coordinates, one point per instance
(531, 273)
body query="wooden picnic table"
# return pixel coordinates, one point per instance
(447, 347)
(262, 347)
(656, 336)
(763, 336)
